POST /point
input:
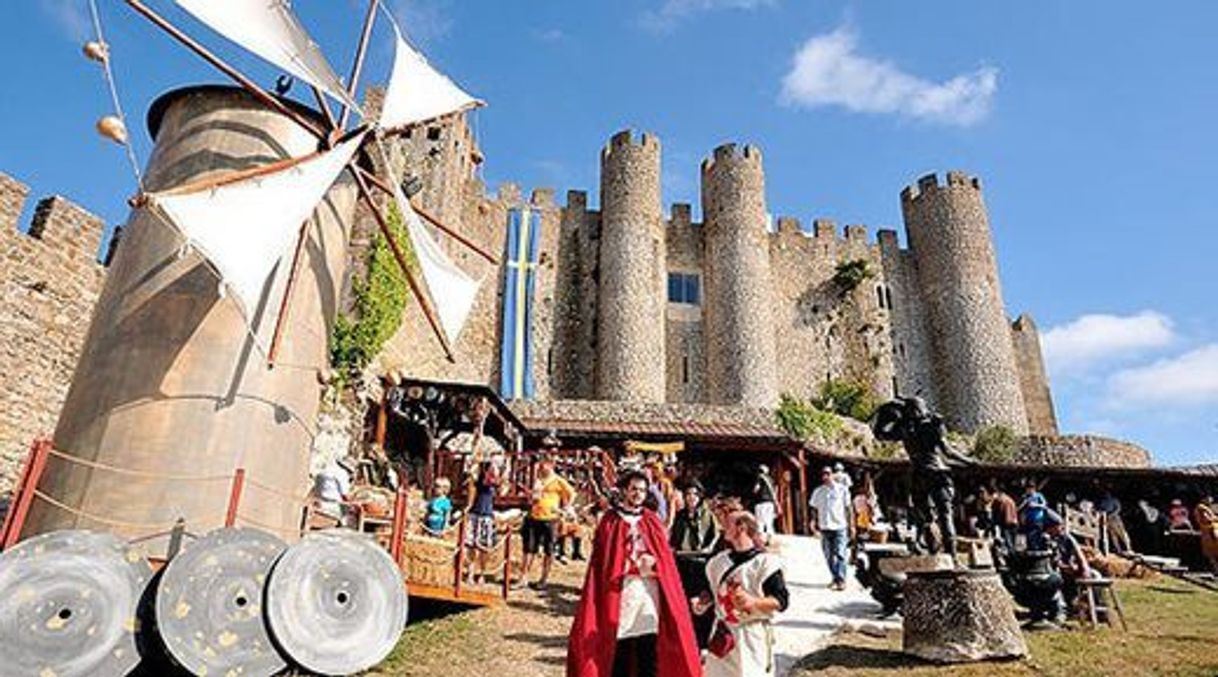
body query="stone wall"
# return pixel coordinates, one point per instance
(1037, 399)
(685, 344)
(1089, 451)
(976, 378)
(50, 278)
(911, 347)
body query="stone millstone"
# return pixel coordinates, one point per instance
(960, 617)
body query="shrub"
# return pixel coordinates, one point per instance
(847, 398)
(380, 300)
(996, 444)
(850, 274)
(803, 421)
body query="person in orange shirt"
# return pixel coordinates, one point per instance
(551, 495)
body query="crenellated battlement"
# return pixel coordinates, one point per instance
(929, 184)
(629, 138)
(788, 226)
(542, 198)
(56, 221)
(681, 215)
(732, 153)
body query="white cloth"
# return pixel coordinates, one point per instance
(452, 291)
(639, 612)
(417, 92)
(843, 478)
(753, 655)
(269, 29)
(766, 513)
(246, 227)
(330, 487)
(831, 502)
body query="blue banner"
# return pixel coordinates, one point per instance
(523, 248)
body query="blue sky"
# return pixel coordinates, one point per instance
(1091, 124)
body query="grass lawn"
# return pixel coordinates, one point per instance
(1173, 630)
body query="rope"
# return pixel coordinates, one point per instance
(113, 87)
(137, 473)
(102, 520)
(276, 492)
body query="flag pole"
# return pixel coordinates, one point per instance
(424, 303)
(358, 66)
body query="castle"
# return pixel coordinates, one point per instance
(633, 305)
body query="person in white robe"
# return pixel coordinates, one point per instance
(748, 590)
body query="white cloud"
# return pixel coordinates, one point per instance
(72, 16)
(672, 11)
(1191, 378)
(1092, 338)
(828, 70)
(425, 21)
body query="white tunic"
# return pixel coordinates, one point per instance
(639, 611)
(754, 652)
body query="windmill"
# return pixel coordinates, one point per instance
(192, 404)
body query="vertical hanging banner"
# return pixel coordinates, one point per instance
(519, 279)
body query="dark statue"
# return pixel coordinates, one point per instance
(909, 420)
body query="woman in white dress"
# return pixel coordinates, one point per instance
(748, 590)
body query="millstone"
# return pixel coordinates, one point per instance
(336, 603)
(68, 602)
(209, 604)
(960, 616)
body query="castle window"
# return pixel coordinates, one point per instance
(684, 288)
(879, 292)
(888, 295)
(895, 389)
(685, 369)
(433, 133)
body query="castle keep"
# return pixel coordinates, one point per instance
(635, 306)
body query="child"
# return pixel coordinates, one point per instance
(439, 509)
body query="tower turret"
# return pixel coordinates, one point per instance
(975, 370)
(738, 322)
(630, 331)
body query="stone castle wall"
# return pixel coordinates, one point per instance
(976, 377)
(1088, 451)
(50, 280)
(1033, 380)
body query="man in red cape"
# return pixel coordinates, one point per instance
(630, 553)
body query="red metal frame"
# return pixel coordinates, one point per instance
(23, 494)
(399, 523)
(234, 497)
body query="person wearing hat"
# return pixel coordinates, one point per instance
(835, 522)
(1069, 558)
(1177, 517)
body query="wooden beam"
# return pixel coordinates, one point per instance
(358, 65)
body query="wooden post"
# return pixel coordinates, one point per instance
(507, 564)
(35, 464)
(382, 417)
(399, 521)
(460, 555)
(803, 490)
(234, 497)
(286, 301)
(358, 66)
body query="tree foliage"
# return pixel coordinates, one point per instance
(850, 274)
(847, 398)
(803, 421)
(996, 444)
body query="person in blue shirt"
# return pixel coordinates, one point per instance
(439, 509)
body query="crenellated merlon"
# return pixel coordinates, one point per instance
(929, 184)
(732, 153)
(629, 138)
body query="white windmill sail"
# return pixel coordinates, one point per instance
(245, 227)
(269, 29)
(417, 92)
(451, 290)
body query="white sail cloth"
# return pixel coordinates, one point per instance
(246, 227)
(417, 92)
(452, 291)
(269, 29)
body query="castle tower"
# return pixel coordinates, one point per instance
(631, 296)
(1032, 377)
(738, 324)
(975, 371)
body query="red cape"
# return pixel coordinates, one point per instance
(593, 636)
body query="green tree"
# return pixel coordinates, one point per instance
(850, 274)
(847, 398)
(996, 444)
(803, 421)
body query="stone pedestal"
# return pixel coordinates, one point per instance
(960, 617)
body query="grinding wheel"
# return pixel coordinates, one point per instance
(68, 603)
(209, 604)
(336, 603)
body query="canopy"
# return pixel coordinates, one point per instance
(417, 92)
(269, 29)
(246, 226)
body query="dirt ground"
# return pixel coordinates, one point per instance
(527, 637)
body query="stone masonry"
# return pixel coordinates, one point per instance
(1032, 377)
(973, 358)
(49, 282)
